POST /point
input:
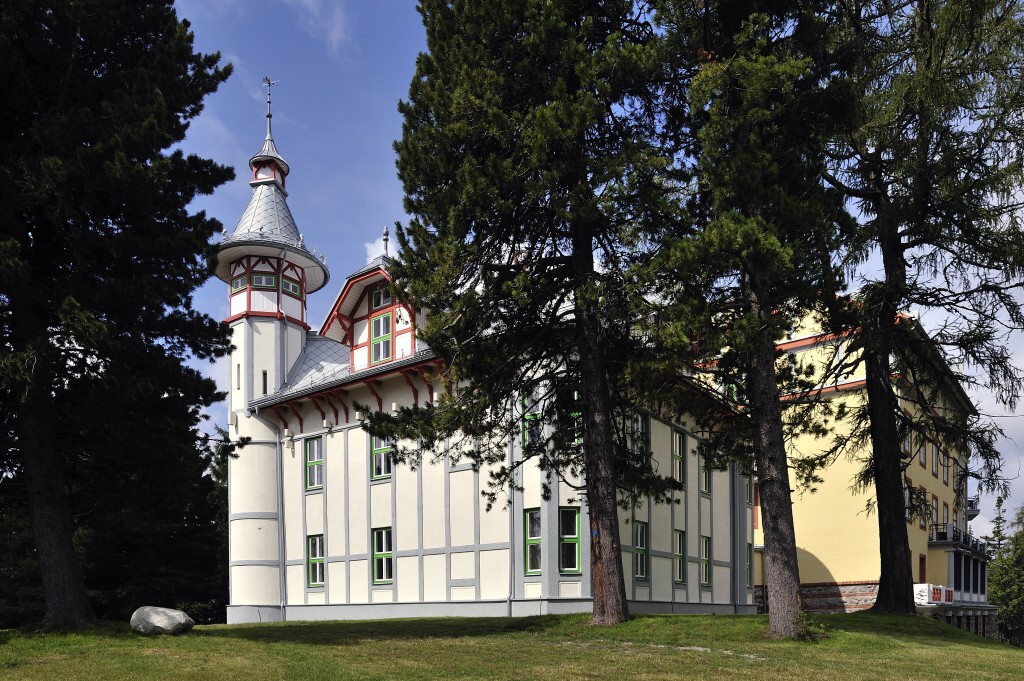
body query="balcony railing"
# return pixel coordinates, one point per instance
(972, 507)
(946, 532)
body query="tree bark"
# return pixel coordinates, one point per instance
(67, 604)
(607, 578)
(782, 572)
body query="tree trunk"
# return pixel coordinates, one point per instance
(607, 579)
(782, 572)
(895, 581)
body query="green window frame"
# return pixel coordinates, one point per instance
(532, 552)
(314, 455)
(569, 539)
(750, 566)
(380, 297)
(640, 436)
(260, 280)
(679, 556)
(291, 287)
(238, 283)
(315, 560)
(679, 456)
(380, 338)
(533, 434)
(641, 558)
(383, 556)
(705, 560)
(705, 476)
(750, 489)
(380, 457)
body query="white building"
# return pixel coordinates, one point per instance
(324, 526)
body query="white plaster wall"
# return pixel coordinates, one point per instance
(295, 584)
(402, 345)
(494, 523)
(316, 598)
(720, 581)
(494, 574)
(531, 590)
(254, 539)
(253, 475)
(460, 511)
(406, 500)
(336, 582)
(720, 543)
(407, 578)
(381, 596)
(358, 463)
(463, 593)
(435, 578)
(293, 468)
(531, 484)
(238, 303)
(296, 338)
(569, 590)
(315, 514)
(359, 580)
(463, 565)
(661, 578)
(334, 486)
(433, 505)
(360, 358)
(255, 585)
(263, 300)
(380, 505)
(291, 306)
(264, 354)
(236, 394)
(361, 331)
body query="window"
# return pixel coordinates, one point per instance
(380, 457)
(640, 549)
(935, 510)
(705, 475)
(679, 556)
(381, 297)
(750, 489)
(568, 540)
(238, 377)
(315, 560)
(264, 381)
(238, 283)
(640, 436)
(531, 518)
(679, 456)
(945, 515)
(314, 463)
(935, 460)
(382, 561)
(380, 338)
(750, 566)
(532, 425)
(291, 287)
(922, 522)
(921, 454)
(907, 499)
(705, 561)
(908, 446)
(945, 470)
(264, 281)
(956, 519)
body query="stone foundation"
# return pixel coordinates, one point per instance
(831, 597)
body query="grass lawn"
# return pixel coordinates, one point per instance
(859, 646)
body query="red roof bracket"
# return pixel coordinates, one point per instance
(373, 391)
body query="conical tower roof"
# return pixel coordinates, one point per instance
(267, 226)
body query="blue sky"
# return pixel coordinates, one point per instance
(341, 66)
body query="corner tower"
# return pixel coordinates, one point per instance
(269, 272)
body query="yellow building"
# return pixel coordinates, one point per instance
(837, 538)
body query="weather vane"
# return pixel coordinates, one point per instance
(269, 83)
(385, 241)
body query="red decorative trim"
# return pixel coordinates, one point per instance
(335, 310)
(280, 414)
(816, 339)
(302, 427)
(323, 414)
(337, 394)
(330, 403)
(370, 385)
(427, 382)
(267, 315)
(408, 382)
(757, 505)
(849, 385)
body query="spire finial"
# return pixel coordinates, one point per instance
(268, 83)
(385, 241)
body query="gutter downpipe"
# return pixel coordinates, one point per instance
(511, 534)
(280, 510)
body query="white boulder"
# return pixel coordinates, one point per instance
(150, 620)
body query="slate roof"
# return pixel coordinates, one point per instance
(268, 218)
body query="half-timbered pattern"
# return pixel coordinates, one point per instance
(325, 525)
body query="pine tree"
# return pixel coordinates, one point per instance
(1006, 584)
(934, 168)
(99, 255)
(757, 257)
(997, 539)
(525, 159)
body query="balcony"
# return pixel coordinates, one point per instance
(972, 508)
(945, 533)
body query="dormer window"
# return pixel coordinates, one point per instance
(264, 281)
(381, 297)
(291, 287)
(380, 338)
(238, 284)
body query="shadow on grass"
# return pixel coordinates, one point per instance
(353, 632)
(917, 628)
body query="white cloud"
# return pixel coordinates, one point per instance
(324, 20)
(375, 248)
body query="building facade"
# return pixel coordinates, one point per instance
(324, 525)
(837, 539)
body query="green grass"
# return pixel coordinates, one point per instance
(859, 646)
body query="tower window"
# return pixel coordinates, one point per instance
(238, 377)
(291, 287)
(381, 297)
(264, 382)
(380, 338)
(238, 284)
(264, 281)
